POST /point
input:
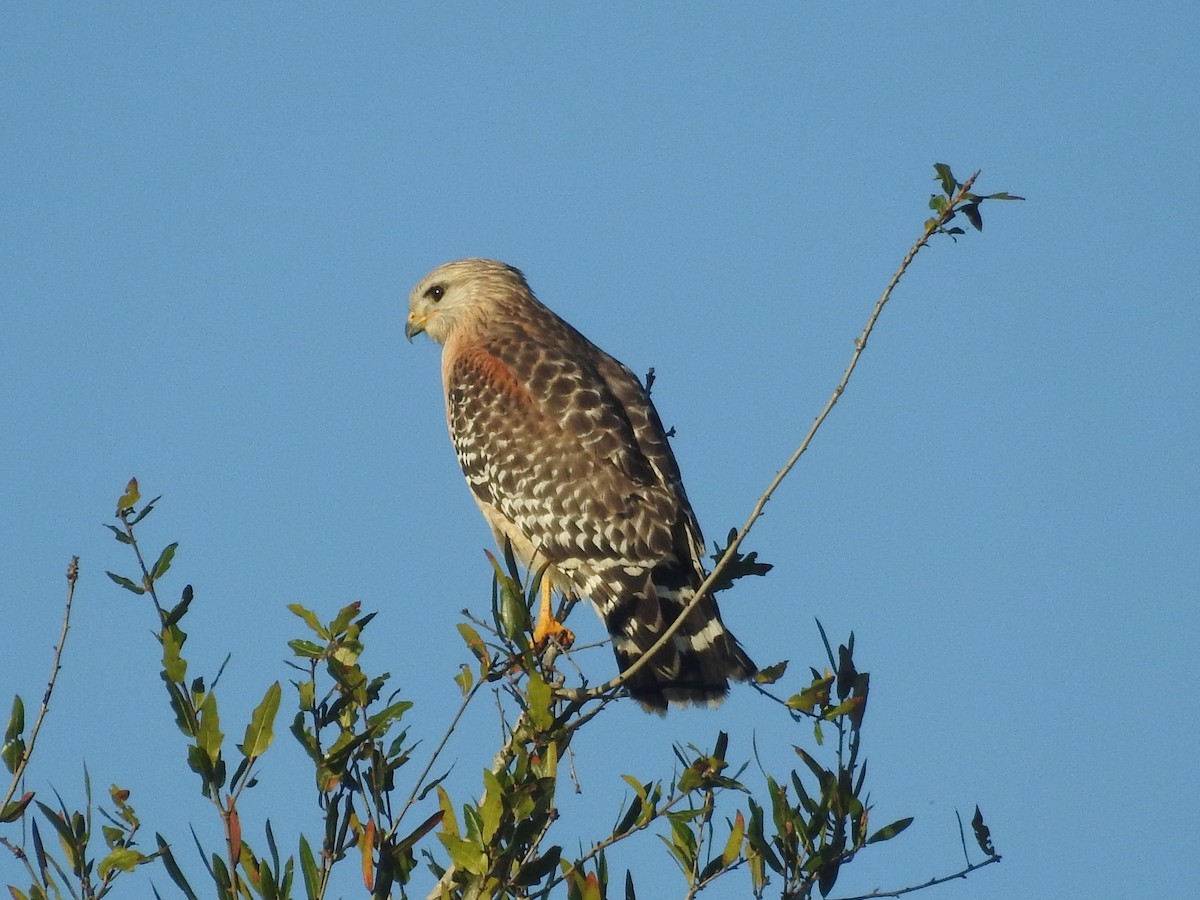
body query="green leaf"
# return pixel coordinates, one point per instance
(540, 699)
(946, 177)
(209, 736)
(119, 534)
(16, 719)
(123, 859)
(546, 763)
(14, 745)
(145, 511)
(179, 610)
(466, 855)
(971, 211)
(66, 834)
(842, 709)
(890, 831)
(308, 868)
(306, 649)
(310, 619)
(733, 846)
(630, 818)
(15, 808)
(514, 614)
(130, 498)
(474, 643)
(126, 583)
(757, 840)
(341, 623)
(172, 867)
(465, 679)
(174, 665)
(449, 822)
(261, 730)
(771, 674)
(164, 562)
(306, 694)
(492, 807)
(815, 694)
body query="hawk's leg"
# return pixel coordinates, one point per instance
(547, 626)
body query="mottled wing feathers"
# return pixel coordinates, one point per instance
(568, 460)
(544, 441)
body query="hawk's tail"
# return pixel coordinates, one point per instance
(695, 666)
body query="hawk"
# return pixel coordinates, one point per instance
(568, 461)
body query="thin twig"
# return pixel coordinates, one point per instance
(898, 892)
(437, 752)
(931, 228)
(499, 763)
(72, 577)
(147, 581)
(609, 841)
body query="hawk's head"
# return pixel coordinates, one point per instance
(457, 290)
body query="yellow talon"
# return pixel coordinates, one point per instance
(547, 627)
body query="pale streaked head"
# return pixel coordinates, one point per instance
(456, 290)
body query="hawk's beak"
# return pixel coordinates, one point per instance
(415, 325)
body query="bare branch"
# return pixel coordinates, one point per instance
(72, 577)
(860, 344)
(899, 892)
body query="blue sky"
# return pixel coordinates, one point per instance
(211, 220)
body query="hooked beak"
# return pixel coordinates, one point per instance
(415, 325)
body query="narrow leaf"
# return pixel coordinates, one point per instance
(890, 831)
(540, 699)
(308, 868)
(164, 561)
(366, 845)
(14, 744)
(126, 583)
(209, 736)
(118, 534)
(172, 867)
(733, 846)
(421, 830)
(261, 730)
(145, 510)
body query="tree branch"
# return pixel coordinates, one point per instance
(899, 892)
(933, 226)
(72, 577)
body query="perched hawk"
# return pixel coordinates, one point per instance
(568, 460)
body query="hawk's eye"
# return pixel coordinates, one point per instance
(436, 293)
